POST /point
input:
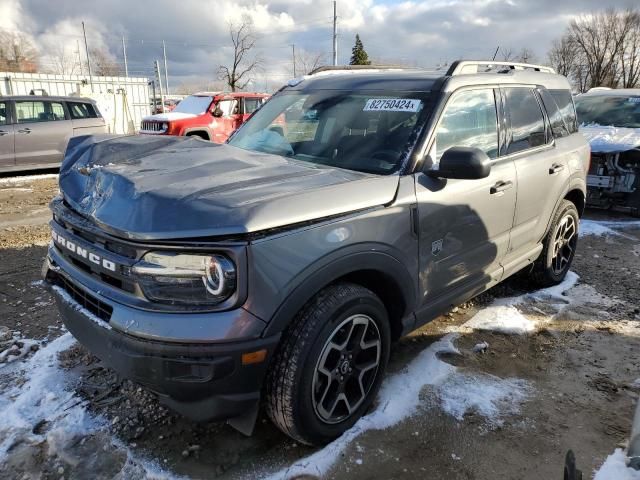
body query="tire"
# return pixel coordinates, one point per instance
(549, 269)
(309, 373)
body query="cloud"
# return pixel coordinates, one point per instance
(415, 32)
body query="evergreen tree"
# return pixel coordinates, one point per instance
(358, 54)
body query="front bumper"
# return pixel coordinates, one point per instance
(201, 380)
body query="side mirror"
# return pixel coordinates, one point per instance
(465, 163)
(218, 112)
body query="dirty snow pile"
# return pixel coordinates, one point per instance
(39, 408)
(615, 468)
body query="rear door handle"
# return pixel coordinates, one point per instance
(555, 168)
(25, 130)
(3, 133)
(501, 187)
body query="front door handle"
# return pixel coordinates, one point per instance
(501, 187)
(25, 130)
(3, 133)
(555, 168)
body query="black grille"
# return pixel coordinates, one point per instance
(86, 300)
(148, 126)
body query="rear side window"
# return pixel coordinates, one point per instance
(81, 110)
(558, 125)
(4, 113)
(57, 111)
(526, 119)
(564, 100)
(251, 104)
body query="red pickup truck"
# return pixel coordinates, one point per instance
(211, 115)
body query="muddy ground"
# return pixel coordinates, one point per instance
(577, 377)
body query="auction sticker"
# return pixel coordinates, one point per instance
(392, 105)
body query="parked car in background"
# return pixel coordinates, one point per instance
(610, 120)
(34, 130)
(210, 115)
(169, 104)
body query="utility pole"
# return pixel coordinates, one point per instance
(79, 58)
(124, 54)
(159, 74)
(86, 48)
(293, 53)
(335, 34)
(166, 72)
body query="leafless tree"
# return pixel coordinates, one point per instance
(308, 61)
(525, 55)
(238, 75)
(64, 61)
(102, 63)
(630, 58)
(17, 53)
(601, 49)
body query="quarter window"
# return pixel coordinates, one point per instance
(558, 126)
(527, 122)
(568, 110)
(4, 114)
(469, 120)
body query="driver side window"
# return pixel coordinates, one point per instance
(469, 120)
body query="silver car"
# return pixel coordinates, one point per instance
(34, 130)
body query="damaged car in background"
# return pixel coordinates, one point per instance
(610, 120)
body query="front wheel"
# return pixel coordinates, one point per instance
(559, 247)
(330, 364)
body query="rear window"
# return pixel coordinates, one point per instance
(527, 121)
(564, 100)
(4, 114)
(79, 110)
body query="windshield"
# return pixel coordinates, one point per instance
(609, 110)
(363, 131)
(193, 104)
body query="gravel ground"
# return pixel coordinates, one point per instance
(576, 374)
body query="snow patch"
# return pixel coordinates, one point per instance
(615, 468)
(502, 319)
(73, 304)
(26, 178)
(606, 139)
(606, 228)
(486, 395)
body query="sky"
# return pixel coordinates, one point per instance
(416, 33)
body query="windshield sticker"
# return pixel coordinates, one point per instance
(392, 105)
(633, 99)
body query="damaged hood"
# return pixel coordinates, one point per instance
(164, 187)
(611, 139)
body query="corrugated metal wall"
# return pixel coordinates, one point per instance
(135, 88)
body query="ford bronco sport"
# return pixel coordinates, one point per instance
(351, 209)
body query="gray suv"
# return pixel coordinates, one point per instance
(352, 208)
(34, 130)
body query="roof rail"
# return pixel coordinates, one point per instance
(329, 68)
(461, 67)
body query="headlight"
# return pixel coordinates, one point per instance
(185, 278)
(165, 126)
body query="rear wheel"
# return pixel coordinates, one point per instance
(559, 247)
(330, 364)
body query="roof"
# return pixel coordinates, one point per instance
(414, 79)
(231, 94)
(46, 97)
